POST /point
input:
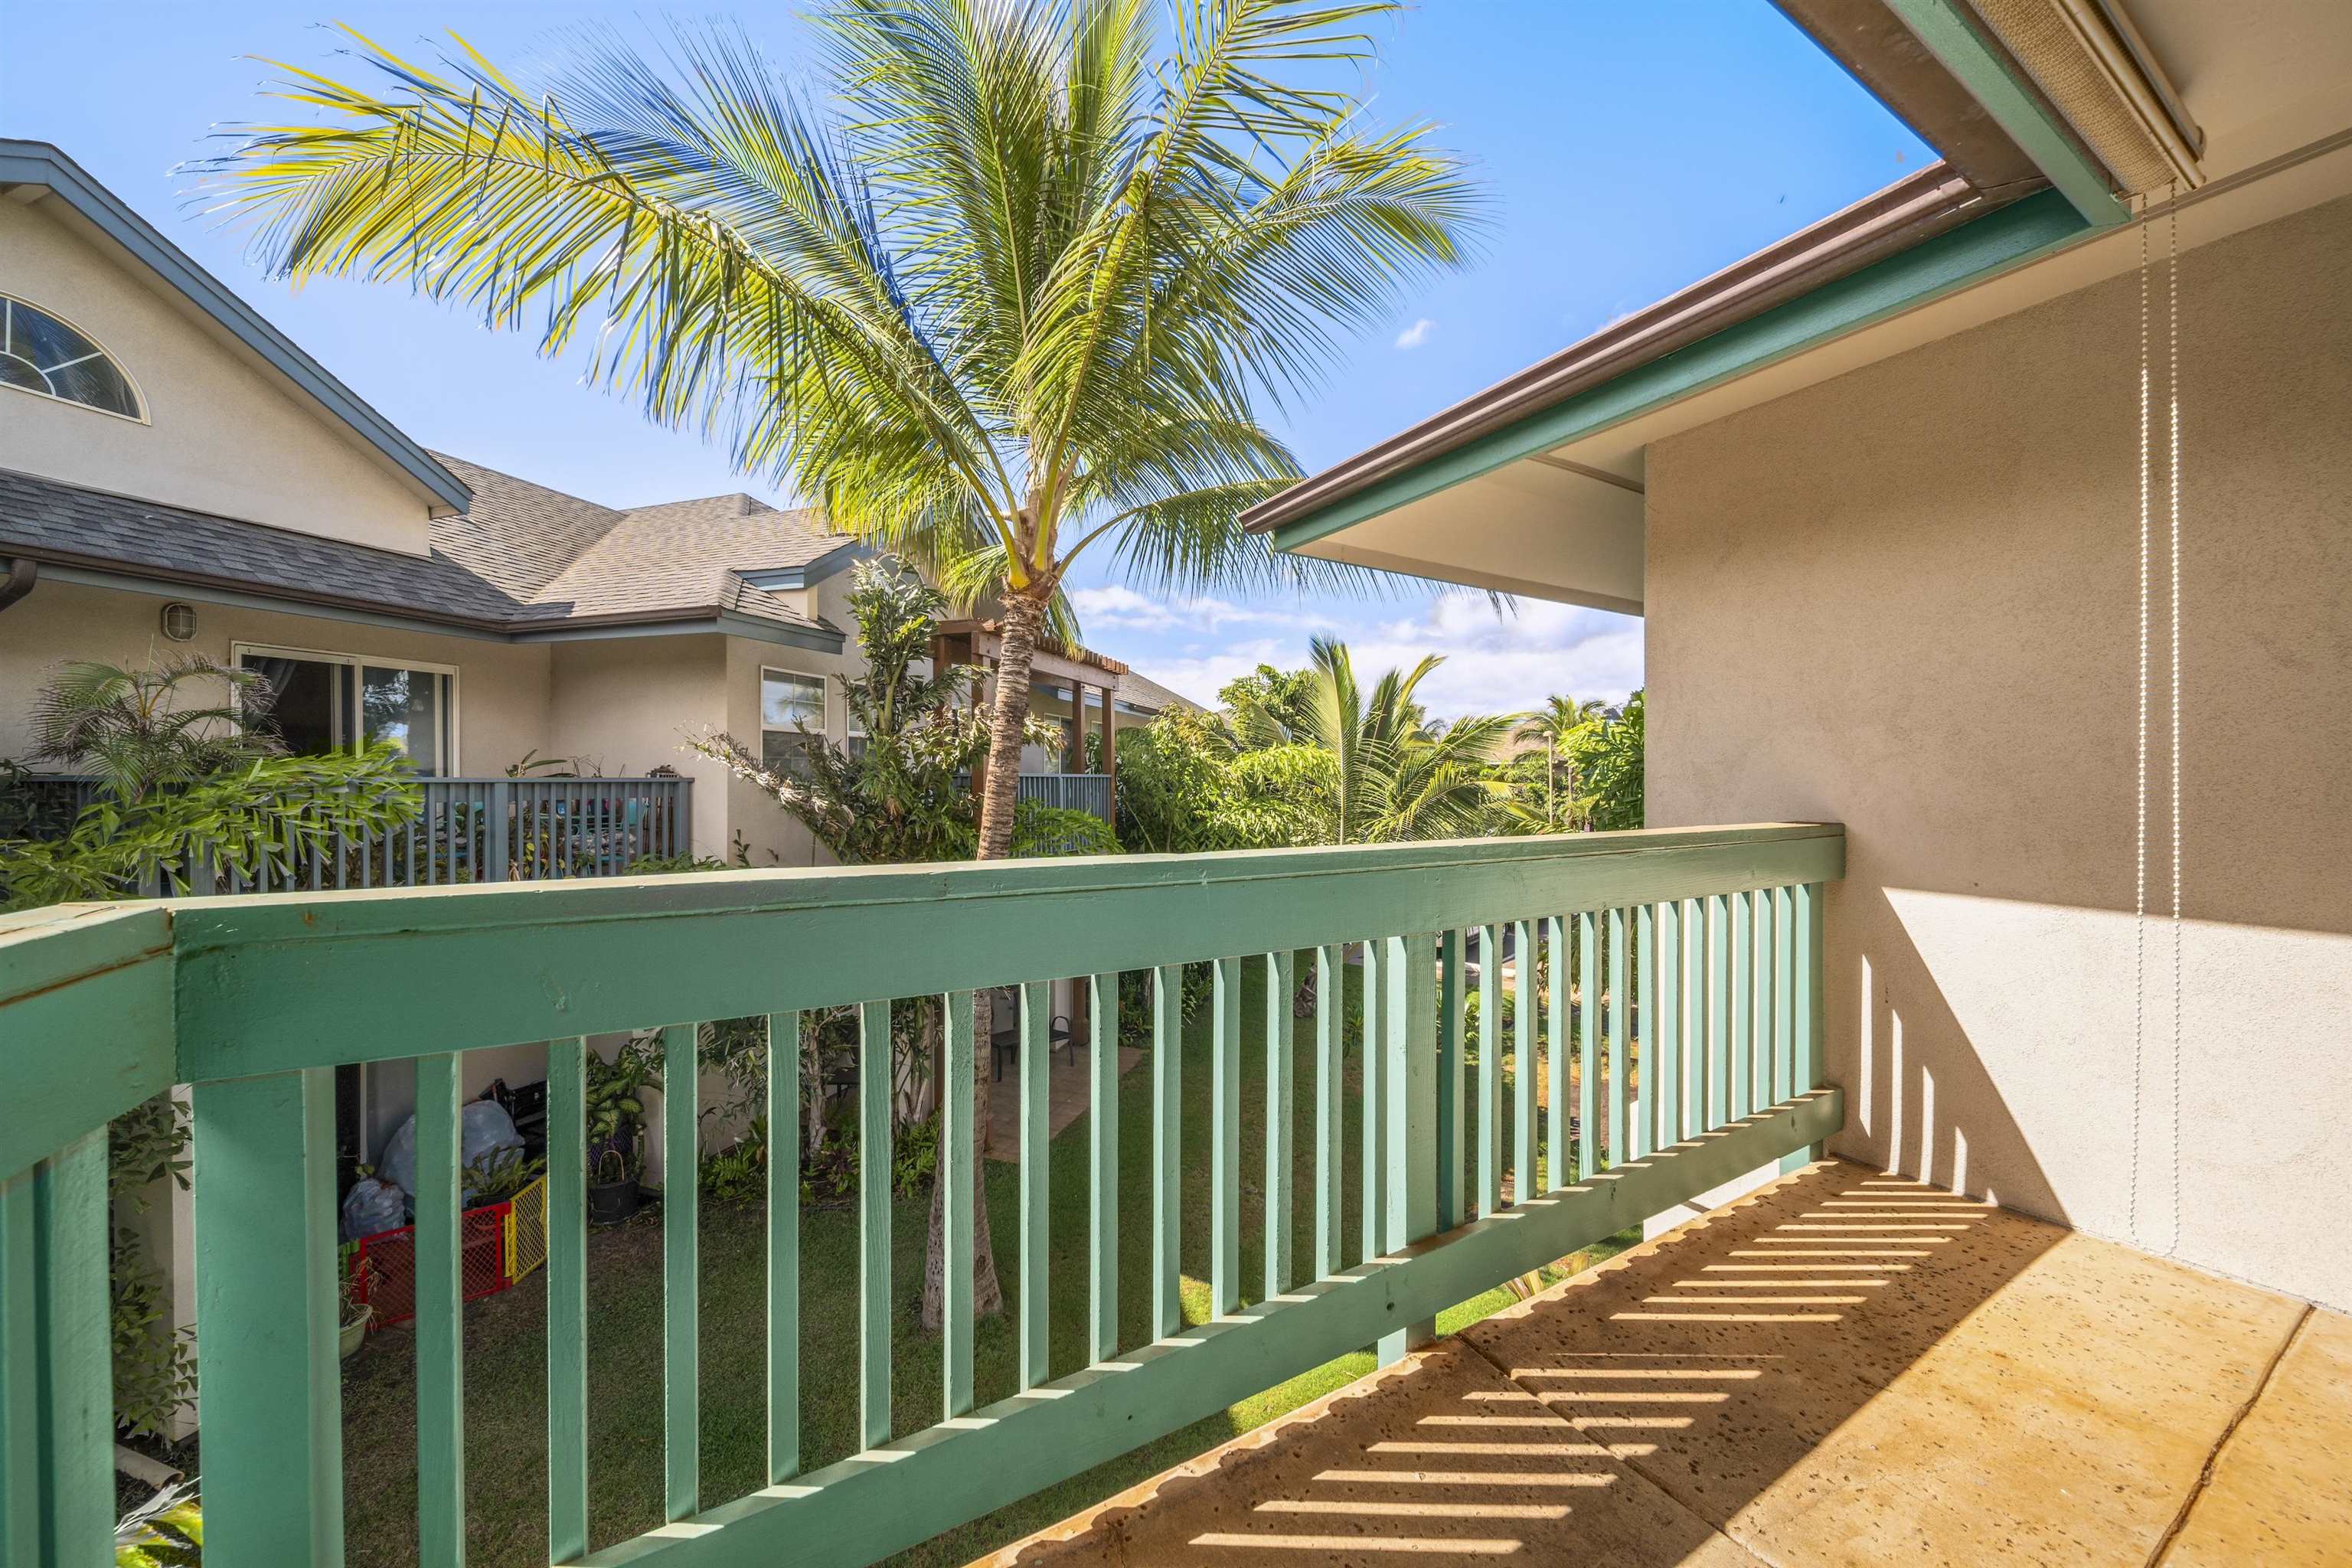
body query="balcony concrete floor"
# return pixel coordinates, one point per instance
(1843, 1368)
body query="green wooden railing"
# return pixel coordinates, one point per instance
(1696, 954)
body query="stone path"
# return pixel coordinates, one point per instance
(1067, 1100)
(1847, 1368)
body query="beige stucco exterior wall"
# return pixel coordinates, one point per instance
(502, 688)
(625, 706)
(1906, 600)
(222, 435)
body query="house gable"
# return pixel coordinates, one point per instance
(235, 420)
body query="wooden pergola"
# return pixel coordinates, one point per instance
(980, 641)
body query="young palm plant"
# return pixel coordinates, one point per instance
(1552, 773)
(1392, 775)
(1015, 299)
(138, 730)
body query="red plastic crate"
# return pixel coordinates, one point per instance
(387, 1263)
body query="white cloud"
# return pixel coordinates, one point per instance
(1415, 335)
(1495, 662)
(1125, 609)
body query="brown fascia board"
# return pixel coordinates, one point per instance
(1880, 53)
(498, 627)
(1911, 210)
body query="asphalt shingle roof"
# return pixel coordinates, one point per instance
(525, 558)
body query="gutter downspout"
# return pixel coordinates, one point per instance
(23, 573)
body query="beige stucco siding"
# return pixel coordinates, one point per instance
(502, 688)
(1906, 600)
(623, 706)
(221, 434)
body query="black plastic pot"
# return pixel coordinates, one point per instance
(610, 1203)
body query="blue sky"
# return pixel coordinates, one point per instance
(1628, 149)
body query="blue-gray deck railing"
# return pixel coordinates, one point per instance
(469, 830)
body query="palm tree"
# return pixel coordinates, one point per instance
(1015, 299)
(138, 731)
(1392, 775)
(1549, 726)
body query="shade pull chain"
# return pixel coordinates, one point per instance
(2146, 688)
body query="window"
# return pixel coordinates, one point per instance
(332, 702)
(41, 354)
(789, 703)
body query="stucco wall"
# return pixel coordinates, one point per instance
(502, 688)
(221, 434)
(624, 705)
(1906, 600)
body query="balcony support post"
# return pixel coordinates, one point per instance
(265, 1222)
(1408, 975)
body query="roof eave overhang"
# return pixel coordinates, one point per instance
(40, 163)
(121, 576)
(1915, 241)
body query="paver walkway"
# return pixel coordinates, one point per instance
(1844, 1368)
(1069, 1093)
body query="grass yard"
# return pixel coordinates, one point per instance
(505, 1345)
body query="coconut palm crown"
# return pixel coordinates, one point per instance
(1015, 292)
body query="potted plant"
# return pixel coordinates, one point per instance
(357, 1314)
(613, 1193)
(615, 1125)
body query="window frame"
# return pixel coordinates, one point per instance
(138, 393)
(824, 726)
(359, 663)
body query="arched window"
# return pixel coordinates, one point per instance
(40, 353)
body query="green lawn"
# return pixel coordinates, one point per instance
(505, 1343)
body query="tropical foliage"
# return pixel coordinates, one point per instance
(193, 787)
(1543, 773)
(141, 730)
(1317, 756)
(1018, 296)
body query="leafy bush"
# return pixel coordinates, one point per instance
(1042, 829)
(154, 1364)
(1608, 761)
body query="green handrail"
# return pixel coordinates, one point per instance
(100, 1008)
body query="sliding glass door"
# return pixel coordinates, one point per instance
(327, 702)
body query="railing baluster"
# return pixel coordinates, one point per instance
(1166, 1152)
(1453, 1192)
(1588, 1022)
(1523, 1062)
(1555, 1054)
(272, 1386)
(681, 1287)
(1765, 1045)
(1409, 973)
(785, 1091)
(1372, 1215)
(1718, 1010)
(958, 1153)
(1784, 996)
(1743, 1005)
(1226, 1137)
(56, 1397)
(1037, 1171)
(1805, 1009)
(1646, 1023)
(440, 1306)
(567, 1300)
(874, 1067)
(1102, 1199)
(1329, 974)
(1490, 1069)
(1281, 980)
(1668, 1028)
(1619, 1004)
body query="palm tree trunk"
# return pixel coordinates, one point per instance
(1024, 619)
